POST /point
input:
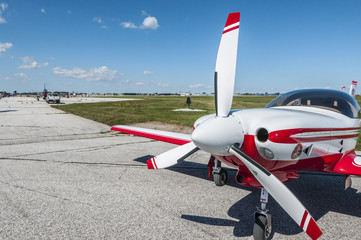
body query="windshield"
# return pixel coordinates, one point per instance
(320, 98)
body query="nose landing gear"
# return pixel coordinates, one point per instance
(220, 178)
(263, 226)
(215, 169)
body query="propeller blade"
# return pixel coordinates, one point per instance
(172, 157)
(280, 193)
(226, 66)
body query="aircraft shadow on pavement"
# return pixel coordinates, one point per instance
(317, 192)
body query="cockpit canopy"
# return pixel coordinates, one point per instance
(333, 100)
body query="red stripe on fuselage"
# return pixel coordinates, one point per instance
(286, 136)
(231, 29)
(153, 136)
(233, 18)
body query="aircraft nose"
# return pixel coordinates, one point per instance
(216, 135)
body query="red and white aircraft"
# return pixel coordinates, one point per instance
(313, 130)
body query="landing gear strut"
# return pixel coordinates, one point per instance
(219, 174)
(263, 228)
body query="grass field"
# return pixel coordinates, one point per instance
(159, 108)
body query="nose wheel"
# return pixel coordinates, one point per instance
(263, 226)
(220, 179)
(219, 174)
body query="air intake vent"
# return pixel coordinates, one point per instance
(262, 135)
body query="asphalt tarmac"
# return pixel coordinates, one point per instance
(65, 177)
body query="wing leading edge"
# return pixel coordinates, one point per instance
(164, 136)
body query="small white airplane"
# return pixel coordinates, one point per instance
(313, 130)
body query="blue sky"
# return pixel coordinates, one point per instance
(171, 46)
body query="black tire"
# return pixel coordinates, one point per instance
(220, 179)
(260, 229)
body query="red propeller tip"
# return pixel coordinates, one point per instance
(313, 230)
(151, 164)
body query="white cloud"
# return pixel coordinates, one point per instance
(91, 75)
(128, 25)
(139, 83)
(42, 10)
(98, 20)
(163, 85)
(69, 12)
(150, 23)
(128, 81)
(196, 86)
(18, 76)
(29, 63)
(3, 6)
(147, 72)
(4, 47)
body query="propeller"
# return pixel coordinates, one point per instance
(280, 193)
(226, 66)
(172, 156)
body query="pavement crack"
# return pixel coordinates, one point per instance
(73, 162)
(44, 193)
(24, 126)
(22, 159)
(78, 149)
(69, 137)
(109, 164)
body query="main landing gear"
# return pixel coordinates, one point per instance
(263, 227)
(215, 169)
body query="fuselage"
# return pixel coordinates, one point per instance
(300, 130)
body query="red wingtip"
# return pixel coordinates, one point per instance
(233, 18)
